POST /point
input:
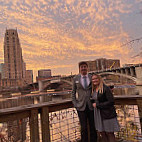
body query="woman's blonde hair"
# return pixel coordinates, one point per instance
(100, 87)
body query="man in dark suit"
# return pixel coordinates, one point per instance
(81, 93)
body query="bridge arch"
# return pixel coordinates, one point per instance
(45, 83)
(119, 74)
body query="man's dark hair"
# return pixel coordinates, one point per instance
(82, 63)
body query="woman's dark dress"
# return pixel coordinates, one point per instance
(107, 125)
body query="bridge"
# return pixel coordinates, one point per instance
(133, 72)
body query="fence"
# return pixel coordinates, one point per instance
(57, 121)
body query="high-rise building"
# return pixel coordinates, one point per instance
(13, 60)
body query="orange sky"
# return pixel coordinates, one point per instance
(57, 34)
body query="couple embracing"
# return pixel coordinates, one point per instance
(94, 103)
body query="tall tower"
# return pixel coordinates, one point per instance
(13, 60)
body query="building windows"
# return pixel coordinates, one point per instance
(7, 39)
(13, 39)
(14, 50)
(9, 75)
(8, 58)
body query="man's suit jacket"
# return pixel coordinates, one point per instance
(80, 95)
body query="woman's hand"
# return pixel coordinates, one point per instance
(94, 105)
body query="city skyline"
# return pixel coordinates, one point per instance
(57, 34)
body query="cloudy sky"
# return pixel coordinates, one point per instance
(57, 34)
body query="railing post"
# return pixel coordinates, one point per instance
(34, 129)
(45, 124)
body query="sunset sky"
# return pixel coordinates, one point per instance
(57, 34)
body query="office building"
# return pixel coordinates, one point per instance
(102, 64)
(29, 77)
(15, 67)
(44, 73)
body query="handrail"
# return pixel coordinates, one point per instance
(33, 106)
(51, 104)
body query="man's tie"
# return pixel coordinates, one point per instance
(85, 81)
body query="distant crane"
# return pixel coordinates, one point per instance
(112, 65)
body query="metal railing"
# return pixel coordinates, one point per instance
(57, 121)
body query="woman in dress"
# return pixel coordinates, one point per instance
(104, 111)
